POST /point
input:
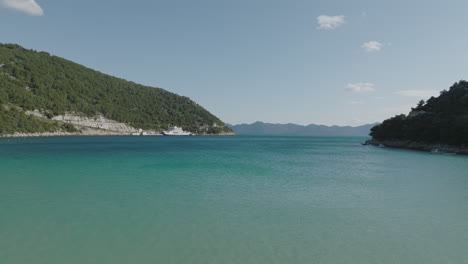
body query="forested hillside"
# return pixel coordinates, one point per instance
(439, 120)
(31, 80)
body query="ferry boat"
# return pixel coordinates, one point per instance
(176, 131)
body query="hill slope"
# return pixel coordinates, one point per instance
(260, 128)
(53, 86)
(439, 121)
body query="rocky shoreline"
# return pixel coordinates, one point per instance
(420, 146)
(89, 132)
(62, 133)
(92, 126)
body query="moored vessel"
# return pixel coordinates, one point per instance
(176, 131)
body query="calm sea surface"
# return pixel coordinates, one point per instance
(228, 200)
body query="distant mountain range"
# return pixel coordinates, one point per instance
(260, 128)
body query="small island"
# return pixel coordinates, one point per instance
(439, 125)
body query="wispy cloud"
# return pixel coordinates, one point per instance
(360, 87)
(330, 22)
(355, 102)
(30, 7)
(372, 46)
(418, 93)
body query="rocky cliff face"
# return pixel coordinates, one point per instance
(98, 122)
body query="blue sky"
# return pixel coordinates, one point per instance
(324, 62)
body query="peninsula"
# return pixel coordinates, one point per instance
(44, 95)
(439, 125)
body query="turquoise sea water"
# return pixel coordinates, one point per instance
(228, 200)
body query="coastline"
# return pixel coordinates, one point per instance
(63, 134)
(90, 133)
(93, 126)
(419, 146)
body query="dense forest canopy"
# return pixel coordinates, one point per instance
(31, 80)
(439, 120)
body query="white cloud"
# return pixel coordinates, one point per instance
(27, 6)
(330, 22)
(355, 102)
(360, 87)
(418, 93)
(372, 46)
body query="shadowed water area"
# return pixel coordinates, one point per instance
(228, 200)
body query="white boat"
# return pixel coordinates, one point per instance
(176, 131)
